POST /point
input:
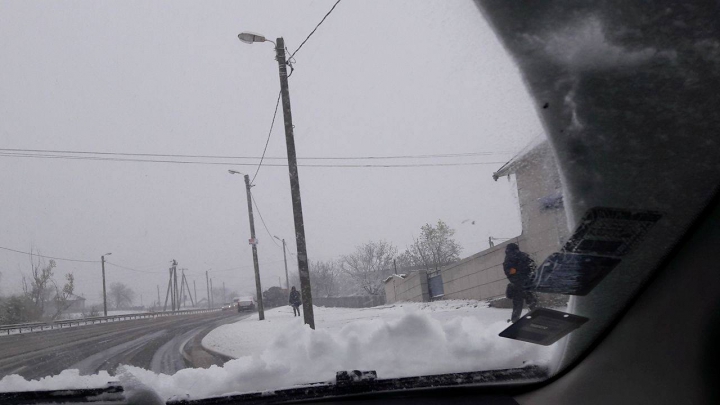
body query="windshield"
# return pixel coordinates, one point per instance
(231, 197)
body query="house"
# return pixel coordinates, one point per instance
(74, 304)
(481, 276)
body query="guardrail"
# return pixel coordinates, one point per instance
(68, 323)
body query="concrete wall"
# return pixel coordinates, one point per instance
(479, 276)
(363, 301)
(413, 287)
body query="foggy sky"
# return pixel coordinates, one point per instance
(378, 78)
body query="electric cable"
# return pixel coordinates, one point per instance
(50, 257)
(315, 29)
(262, 220)
(272, 124)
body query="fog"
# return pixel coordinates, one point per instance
(377, 79)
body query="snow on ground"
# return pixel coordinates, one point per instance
(404, 339)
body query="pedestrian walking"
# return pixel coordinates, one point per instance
(519, 269)
(295, 301)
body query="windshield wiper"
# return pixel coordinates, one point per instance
(113, 392)
(365, 382)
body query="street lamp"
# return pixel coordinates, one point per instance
(253, 242)
(251, 37)
(287, 279)
(306, 292)
(102, 260)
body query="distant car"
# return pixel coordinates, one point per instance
(244, 303)
(228, 306)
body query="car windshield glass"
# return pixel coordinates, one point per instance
(232, 197)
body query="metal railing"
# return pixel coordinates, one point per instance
(68, 323)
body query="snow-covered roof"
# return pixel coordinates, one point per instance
(390, 277)
(73, 297)
(509, 168)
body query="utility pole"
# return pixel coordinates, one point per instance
(185, 283)
(287, 278)
(102, 259)
(158, 290)
(212, 295)
(169, 290)
(195, 289)
(182, 289)
(175, 286)
(253, 242)
(207, 283)
(302, 257)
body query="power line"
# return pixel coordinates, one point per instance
(277, 103)
(244, 267)
(50, 257)
(422, 156)
(135, 270)
(315, 29)
(61, 157)
(272, 238)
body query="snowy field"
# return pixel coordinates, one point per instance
(405, 339)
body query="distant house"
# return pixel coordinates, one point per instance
(75, 304)
(544, 230)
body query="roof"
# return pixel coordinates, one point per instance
(73, 297)
(538, 144)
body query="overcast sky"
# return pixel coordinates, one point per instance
(378, 78)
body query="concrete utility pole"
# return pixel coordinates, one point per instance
(253, 242)
(195, 289)
(212, 295)
(102, 260)
(207, 282)
(295, 187)
(175, 284)
(287, 278)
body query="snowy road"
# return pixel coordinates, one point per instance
(163, 345)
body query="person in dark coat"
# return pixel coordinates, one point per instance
(519, 269)
(295, 301)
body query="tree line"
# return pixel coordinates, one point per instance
(44, 298)
(363, 271)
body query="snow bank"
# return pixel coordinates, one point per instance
(396, 340)
(66, 379)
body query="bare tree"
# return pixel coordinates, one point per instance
(37, 287)
(63, 296)
(120, 295)
(324, 278)
(434, 248)
(369, 265)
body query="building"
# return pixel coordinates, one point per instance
(75, 305)
(481, 276)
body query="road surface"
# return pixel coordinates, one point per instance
(164, 345)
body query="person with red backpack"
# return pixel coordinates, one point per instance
(519, 269)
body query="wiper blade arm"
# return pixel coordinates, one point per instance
(353, 386)
(108, 394)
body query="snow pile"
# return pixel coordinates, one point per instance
(66, 379)
(402, 340)
(397, 340)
